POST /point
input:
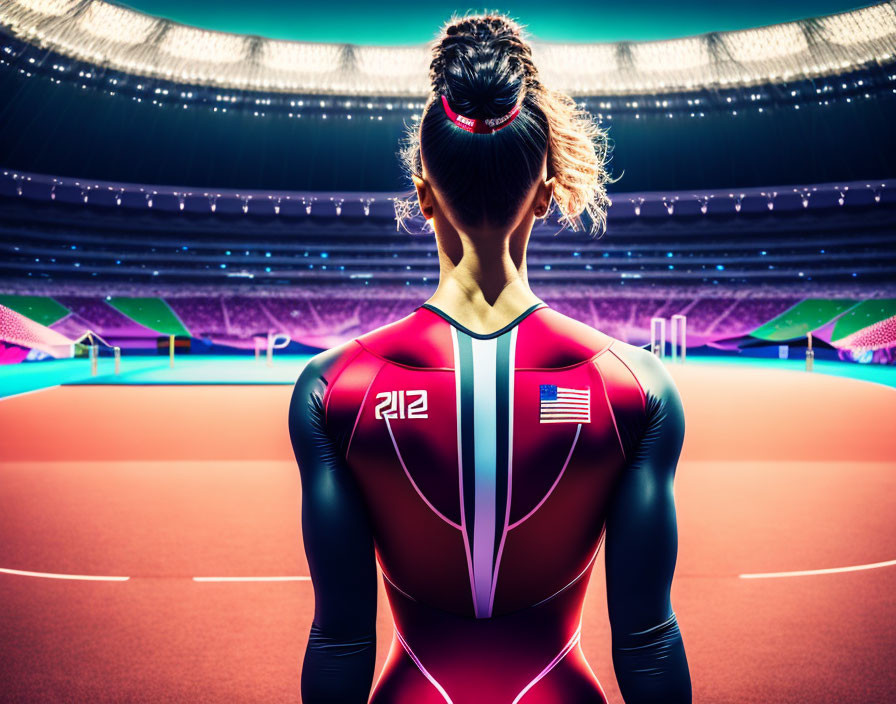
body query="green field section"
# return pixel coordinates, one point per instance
(40, 309)
(804, 317)
(152, 313)
(865, 314)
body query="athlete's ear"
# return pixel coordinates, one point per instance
(424, 196)
(543, 197)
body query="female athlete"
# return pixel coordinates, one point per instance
(481, 448)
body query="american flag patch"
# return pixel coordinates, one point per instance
(559, 405)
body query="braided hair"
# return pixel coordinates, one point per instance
(483, 65)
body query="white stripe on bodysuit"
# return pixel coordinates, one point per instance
(485, 449)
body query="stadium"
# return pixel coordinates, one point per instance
(187, 215)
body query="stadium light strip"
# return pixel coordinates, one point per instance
(810, 573)
(119, 38)
(310, 199)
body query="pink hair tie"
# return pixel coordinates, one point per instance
(479, 126)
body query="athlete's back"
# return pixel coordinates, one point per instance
(484, 470)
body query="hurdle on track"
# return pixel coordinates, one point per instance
(810, 353)
(677, 335)
(276, 341)
(678, 324)
(93, 350)
(658, 324)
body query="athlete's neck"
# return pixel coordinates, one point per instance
(482, 281)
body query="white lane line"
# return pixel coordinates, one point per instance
(100, 578)
(808, 573)
(30, 391)
(251, 579)
(51, 575)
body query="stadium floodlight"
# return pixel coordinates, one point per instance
(867, 25)
(408, 62)
(675, 55)
(316, 59)
(51, 8)
(205, 47)
(117, 24)
(118, 38)
(758, 45)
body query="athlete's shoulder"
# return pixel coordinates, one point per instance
(420, 339)
(648, 370)
(306, 402)
(547, 339)
(325, 366)
(330, 386)
(663, 409)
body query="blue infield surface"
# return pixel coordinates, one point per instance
(143, 370)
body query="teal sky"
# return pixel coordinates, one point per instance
(415, 22)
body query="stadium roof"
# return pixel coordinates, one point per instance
(116, 37)
(405, 22)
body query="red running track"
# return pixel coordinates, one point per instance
(781, 471)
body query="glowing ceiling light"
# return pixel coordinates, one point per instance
(117, 24)
(203, 46)
(49, 7)
(121, 39)
(766, 43)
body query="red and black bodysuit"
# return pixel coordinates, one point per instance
(482, 472)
